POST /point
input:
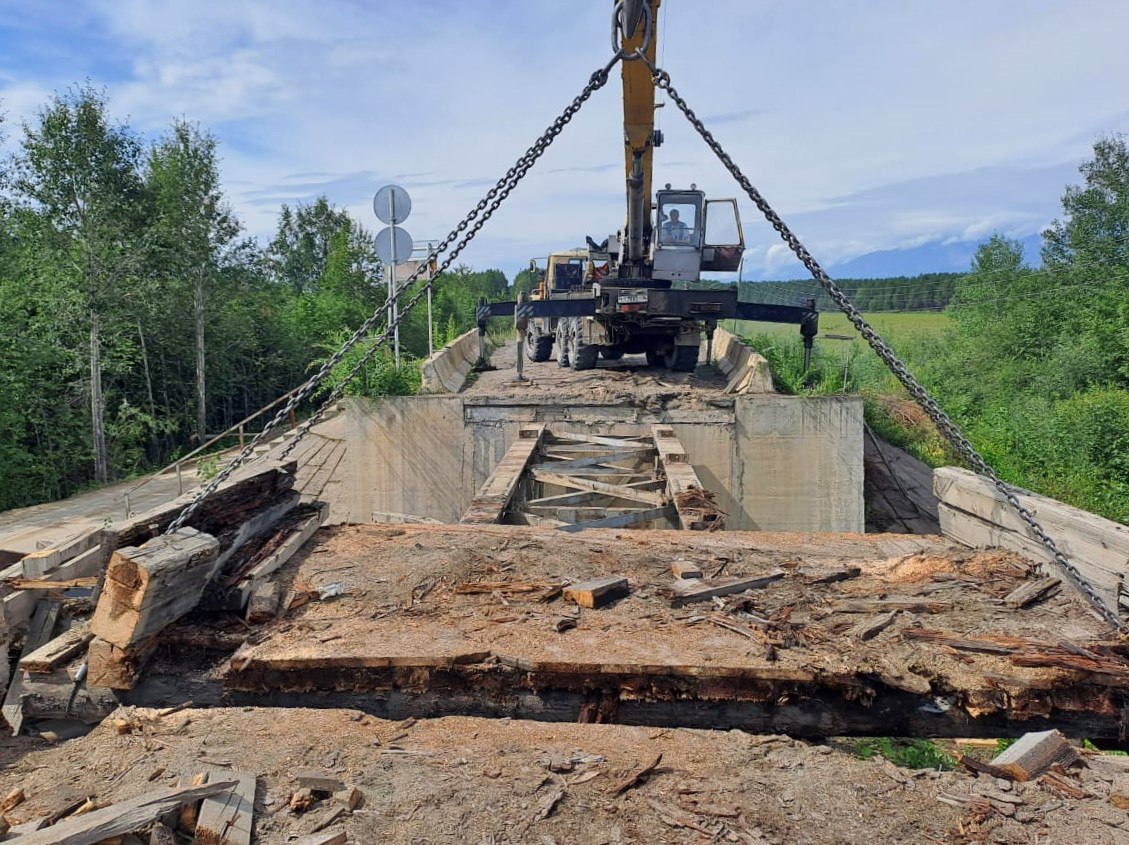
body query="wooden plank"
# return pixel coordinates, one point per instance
(616, 490)
(148, 587)
(1032, 591)
(539, 521)
(121, 818)
(56, 651)
(495, 495)
(598, 592)
(18, 607)
(685, 569)
(622, 520)
(292, 545)
(688, 592)
(38, 634)
(680, 474)
(39, 563)
(868, 629)
(600, 460)
(229, 818)
(1034, 753)
(262, 606)
(615, 442)
(260, 522)
(973, 531)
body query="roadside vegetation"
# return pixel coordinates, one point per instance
(138, 319)
(1032, 363)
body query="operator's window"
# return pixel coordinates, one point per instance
(678, 223)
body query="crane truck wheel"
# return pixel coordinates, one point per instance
(582, 356)
(655, 358)
(563, 342)
(538, 346)
(682, 359)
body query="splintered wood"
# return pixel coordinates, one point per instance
(831, 624)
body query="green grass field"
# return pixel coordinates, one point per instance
(890, 324)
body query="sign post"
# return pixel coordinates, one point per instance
(392, 206)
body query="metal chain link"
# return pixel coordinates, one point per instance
(478, 216)
(942, 420)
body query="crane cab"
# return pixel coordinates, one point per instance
(694, 234)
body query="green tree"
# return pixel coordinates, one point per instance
(78, 171)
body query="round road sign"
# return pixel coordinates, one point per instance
(392, 205)
(384, 244)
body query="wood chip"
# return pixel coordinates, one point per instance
(633, 780)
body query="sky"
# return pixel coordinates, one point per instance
(892, 135)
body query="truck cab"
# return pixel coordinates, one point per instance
(693, 234)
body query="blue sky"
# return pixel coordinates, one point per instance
(892, 136)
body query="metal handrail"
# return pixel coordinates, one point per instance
(179, 462)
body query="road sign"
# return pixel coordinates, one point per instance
(393, 252)
(392, 206)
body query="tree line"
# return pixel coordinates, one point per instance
(924, 292)
(138, 318)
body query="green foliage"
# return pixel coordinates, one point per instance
(208, 467)
(379, 376)
(910, 754)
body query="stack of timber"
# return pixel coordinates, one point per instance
(120, 588)
(974, 512)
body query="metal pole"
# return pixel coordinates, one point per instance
(395, 286)
(430, 325)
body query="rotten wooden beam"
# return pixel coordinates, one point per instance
(148, 587)
(494, 496)
(57, 651)
(1032, 591)
(691, 591)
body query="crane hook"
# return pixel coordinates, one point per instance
(625, 21)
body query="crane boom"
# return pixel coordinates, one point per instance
(639, 30)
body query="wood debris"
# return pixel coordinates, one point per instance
(597, 592)
(691, 591)
(1034, 753)
(1031, 592)
(637, 777)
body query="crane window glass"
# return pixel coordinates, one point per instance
(678, 222)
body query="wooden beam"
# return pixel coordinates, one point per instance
(229, 818)
(616, 490)
(690, 591)
(591, 499)
(598, 460)
(665, 512)
(598, 592)
(630, 442)
(56, 651)
(121, 818)
(38, 634)
(290, 547)
(493, 498)
(151, 586)
(680, 474)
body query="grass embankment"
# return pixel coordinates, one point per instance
(842, 362)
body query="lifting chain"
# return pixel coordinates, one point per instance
(478, 217)
(942, 420)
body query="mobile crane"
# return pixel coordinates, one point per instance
(619, 297)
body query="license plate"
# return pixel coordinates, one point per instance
(630, 298)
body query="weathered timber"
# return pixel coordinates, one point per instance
(590, 498)
(493, 497)
(116, 667)
(56, 651)
(680, 475)
(1032, 591)
(973, 512)
(121, 818)
(150, 586)
(261, 521)
(602, 460)
(265, 568)
(868, 629)
(623, 520)
(232, 504)
(38, 563)
(618, 491)
(317, 780)
(39, 633)
(54, 696)
(691, 591)
(1034, 753)
(908, 604)
(228, 818)
(263, 603)
(598, 592)
(19, 605)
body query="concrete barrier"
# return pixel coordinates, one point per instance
(972, 511)
(747, 371)
(445, 371)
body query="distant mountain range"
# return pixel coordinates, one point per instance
(933, 257)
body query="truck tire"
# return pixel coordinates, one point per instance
(655, 358)
(585, 356)
(682, 359)
(564, 341)
(611, 353)
(538, 346)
